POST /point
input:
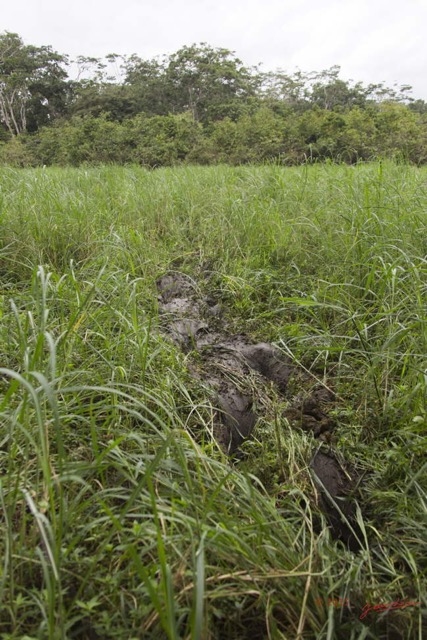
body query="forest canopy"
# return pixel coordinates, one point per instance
(198, 105)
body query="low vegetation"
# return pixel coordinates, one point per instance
(120, 515)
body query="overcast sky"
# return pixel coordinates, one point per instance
(372, 40)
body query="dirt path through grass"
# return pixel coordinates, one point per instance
(243, 378)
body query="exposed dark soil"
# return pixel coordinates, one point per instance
(311, 412)
(241, 375)
(336, 484)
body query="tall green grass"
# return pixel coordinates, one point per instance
(120, 516)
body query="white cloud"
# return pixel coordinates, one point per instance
(372, 40)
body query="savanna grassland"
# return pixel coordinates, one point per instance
(120, 515)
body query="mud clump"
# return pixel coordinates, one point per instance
(311, 413)
(269, 363)
(336, 484)
(237, 416)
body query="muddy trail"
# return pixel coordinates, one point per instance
(243, 378)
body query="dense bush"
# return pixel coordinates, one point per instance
(389, 130)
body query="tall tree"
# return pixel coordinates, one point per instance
(33, 87)
(209, 82)
(289, 90)
(328, 91)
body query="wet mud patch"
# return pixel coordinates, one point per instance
(312, 412)
(337, 485)
(236, 370)
(243, 378)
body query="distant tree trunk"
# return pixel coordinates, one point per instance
(13, 111)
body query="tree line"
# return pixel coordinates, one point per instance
(198, 105)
